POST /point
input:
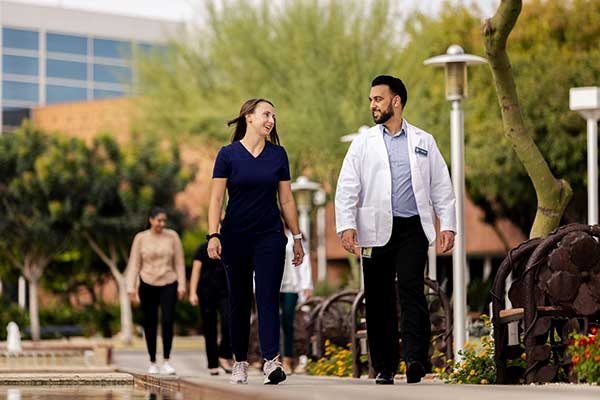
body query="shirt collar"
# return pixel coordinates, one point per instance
(385, 131)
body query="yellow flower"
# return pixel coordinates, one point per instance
(472, 373)
(484, 382)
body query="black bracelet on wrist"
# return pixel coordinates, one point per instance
(212, 235)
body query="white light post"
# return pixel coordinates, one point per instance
(304, 189)
(586, 101)
(455, 63)
(319, 200)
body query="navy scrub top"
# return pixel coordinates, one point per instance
(252, 184)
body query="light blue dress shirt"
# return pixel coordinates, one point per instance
(403, 197)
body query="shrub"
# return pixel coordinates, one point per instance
(337, 361)
(585, 356)
(477, 364)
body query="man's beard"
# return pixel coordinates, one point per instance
(384, 116)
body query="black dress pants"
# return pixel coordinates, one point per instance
(400, 262)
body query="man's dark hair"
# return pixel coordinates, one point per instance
(395, 84)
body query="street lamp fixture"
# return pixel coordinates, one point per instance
(455, 63)
(586, 101)
(350, 137)
(304, 189)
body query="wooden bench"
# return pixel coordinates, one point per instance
(549, 300)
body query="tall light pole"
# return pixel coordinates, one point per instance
(304, 189)
(455, 63)
(586, 101)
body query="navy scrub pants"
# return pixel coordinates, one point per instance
(263, 254)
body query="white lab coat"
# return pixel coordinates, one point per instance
(296, 279)
(363, 198)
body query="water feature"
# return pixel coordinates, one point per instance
(84, 393)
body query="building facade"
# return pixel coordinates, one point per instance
(53, 55)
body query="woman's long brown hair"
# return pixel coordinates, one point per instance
(240, 121)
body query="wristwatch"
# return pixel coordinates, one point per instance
(298, 236)
(212, 235)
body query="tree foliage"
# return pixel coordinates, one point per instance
(43, 183)
(315, 60)
(60, 199)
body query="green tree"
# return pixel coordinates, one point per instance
(312, 58)
(315, 61)
(553, 47)
(43, 180)
(125, 184)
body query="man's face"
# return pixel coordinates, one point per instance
(381, 99)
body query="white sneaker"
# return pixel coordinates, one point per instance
(153, 369)
(239, 373)
(273, 371)
(167, 369)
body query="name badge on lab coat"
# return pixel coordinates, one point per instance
(421, 151)
(366, 252)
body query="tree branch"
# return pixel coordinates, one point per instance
(553, 195)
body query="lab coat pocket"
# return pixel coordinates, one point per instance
(366, 224)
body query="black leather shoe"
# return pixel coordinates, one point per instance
(384, 378)
(414, 372)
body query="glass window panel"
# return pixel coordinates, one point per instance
(102, 94)
(14, 116)
(19, 65)
(66, 43)
(112, 48)
(59, 94)
(112, 74)
(19, 39)
(66, 69)
(19, 91)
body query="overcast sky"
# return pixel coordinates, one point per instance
(187, 9)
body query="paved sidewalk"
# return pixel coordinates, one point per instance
(191, 369)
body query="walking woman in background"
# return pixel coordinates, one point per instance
(156, 273)
(255, 171)
(296, 284)
(208, 287)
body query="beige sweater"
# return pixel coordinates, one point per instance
(157, 259)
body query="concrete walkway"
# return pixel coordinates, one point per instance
(193, 377)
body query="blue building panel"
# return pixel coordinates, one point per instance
(20, 65)
(20, 39)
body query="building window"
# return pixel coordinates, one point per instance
(19, 39)
(56, 42)
(19, 91)
(112, 74)
(112, 48)
(61, 94)
(19, 65)
(102, 94)
(66, 69)
(14, 116)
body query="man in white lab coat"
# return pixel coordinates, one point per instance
(393, 179)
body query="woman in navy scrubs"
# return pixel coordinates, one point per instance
(255, 171)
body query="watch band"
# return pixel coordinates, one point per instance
(298, 236)
(213, 235)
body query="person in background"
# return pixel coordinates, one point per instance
(156, 278)
(208, 287)
(296, 284)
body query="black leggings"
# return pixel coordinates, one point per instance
(151, 297)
